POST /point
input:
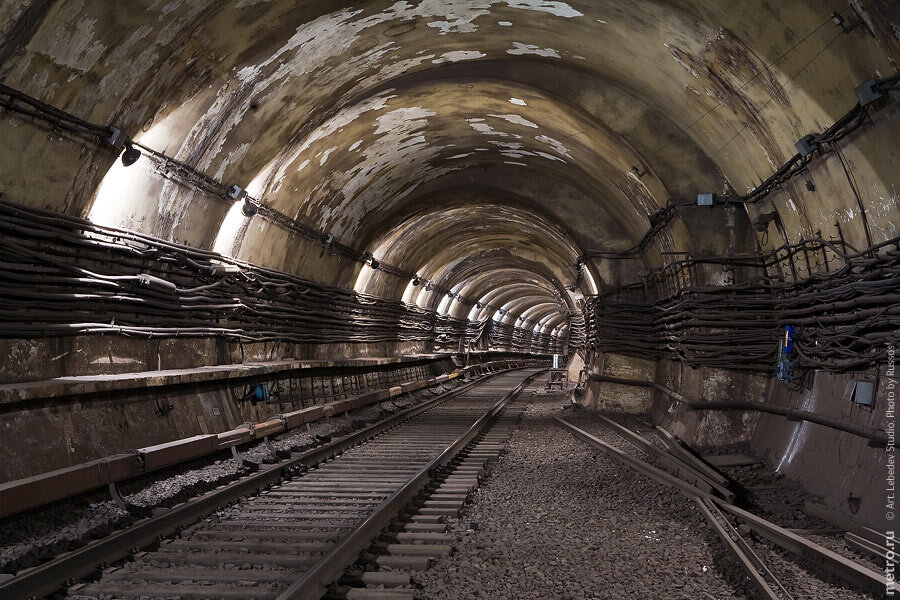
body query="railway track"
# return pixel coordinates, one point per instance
(289, 532)
(767, 571)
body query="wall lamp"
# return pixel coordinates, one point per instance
(131, 155)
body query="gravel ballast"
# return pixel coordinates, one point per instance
(35, 537)
(556, 519)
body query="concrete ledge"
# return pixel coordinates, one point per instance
(24, 494)
(91, 384)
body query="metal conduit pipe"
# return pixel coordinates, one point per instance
(877, 437)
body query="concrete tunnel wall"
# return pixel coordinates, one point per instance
(481, 144)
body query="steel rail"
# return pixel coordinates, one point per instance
(687, 489)
(328, 568)
(755, 569)
(48, 577)
(846, 569)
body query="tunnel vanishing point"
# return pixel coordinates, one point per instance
(216, 213)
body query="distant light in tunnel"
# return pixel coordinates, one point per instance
(362, 280)
(444, 306)
(121, 193)
(116, 193)
(518, 101)
(236, 220)
(230, 228)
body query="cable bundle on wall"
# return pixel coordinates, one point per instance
(63, 276)
(844, 314)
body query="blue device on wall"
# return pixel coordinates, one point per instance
(785, 372)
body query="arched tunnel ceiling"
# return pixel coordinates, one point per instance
(482, 144)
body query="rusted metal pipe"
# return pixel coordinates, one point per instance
(877, 437)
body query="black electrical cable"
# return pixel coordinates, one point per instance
(65, 276)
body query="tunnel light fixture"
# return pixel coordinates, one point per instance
(416, 281)
(369, 259)
(131, 155)
(248, 209)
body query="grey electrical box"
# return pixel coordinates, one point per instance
(116, 138)
(867, 94)
(235, 192)
(705, 199)
(864, 393)
(807, 145)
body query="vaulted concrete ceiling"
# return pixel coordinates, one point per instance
(483, 144)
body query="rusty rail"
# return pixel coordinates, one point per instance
(32, 492)
(48, 577)
(313, 583)
(844, 568)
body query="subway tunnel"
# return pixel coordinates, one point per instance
(229, 223)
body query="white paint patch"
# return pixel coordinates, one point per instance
(602, 21)
(355, 145)
(522, 49)
(557, 146)
(71, 45)
(504, 23)
(518, 101)
(414, 117)
(393, 70)
(681, 62)
(509, 145)
(326, 154)
(559, 9)
(458, 55)
(235, 156)
(485, 129)
(303, 165)
(516, 119)
(549, 156)
(454, 157)
(512, 162)
(461, 14)
(338, 121)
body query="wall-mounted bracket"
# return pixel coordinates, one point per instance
(134, 510)
(236, 454)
